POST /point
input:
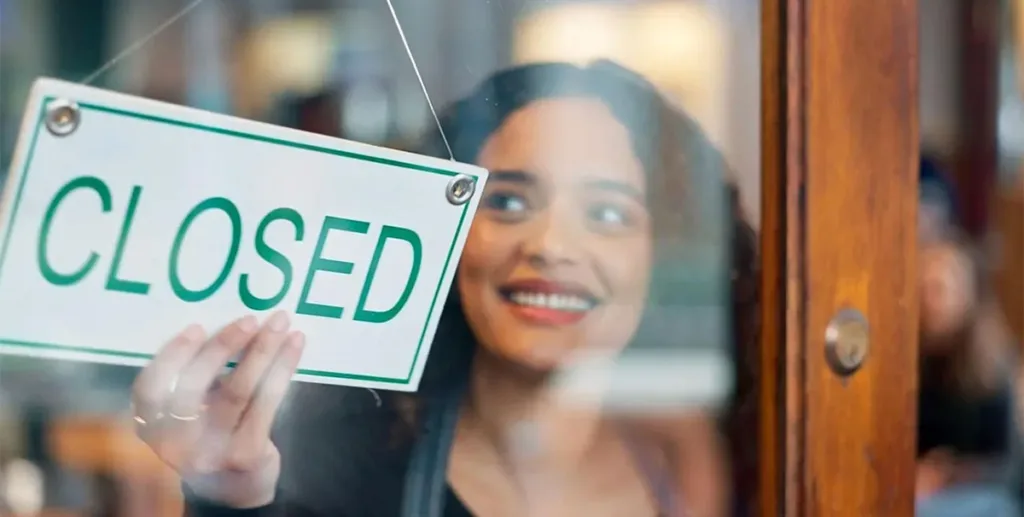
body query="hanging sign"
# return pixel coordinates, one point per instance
(125, 219)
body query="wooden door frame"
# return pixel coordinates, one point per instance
(840, 150)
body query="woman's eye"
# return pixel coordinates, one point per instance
(609, 215)
(505, 202)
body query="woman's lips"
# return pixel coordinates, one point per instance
(544, 302)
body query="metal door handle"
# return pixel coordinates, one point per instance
(847, 341)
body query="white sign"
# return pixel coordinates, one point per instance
(124, 219)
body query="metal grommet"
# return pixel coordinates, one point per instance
(847, 341)
(62, 117)
(460, 189)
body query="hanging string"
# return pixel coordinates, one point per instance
(423, 86)
(139, 43)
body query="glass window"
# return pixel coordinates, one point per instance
(597, 352)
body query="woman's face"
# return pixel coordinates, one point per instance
(947, 289)
(559, 257)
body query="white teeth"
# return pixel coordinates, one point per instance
(564, 302)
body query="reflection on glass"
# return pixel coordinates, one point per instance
(597, 353)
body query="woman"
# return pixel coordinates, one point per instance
(597, 190)
(965, 419)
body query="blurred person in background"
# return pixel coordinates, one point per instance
(936, 203)
(594, 191)
(965, 416)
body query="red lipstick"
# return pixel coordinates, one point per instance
(549, 303)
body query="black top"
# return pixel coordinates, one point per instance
(346, 453)
(975, 426)
(453, 506)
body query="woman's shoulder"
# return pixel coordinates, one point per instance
(344, 451)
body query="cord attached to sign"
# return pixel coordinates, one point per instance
(139, 43)
(423, 86)
(130, 49)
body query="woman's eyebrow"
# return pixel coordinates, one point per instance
(618, 186)
(512, 176)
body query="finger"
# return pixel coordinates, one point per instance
(153, 384)
(176, 443)
(235, 391)
(258, 419)
(196, 378)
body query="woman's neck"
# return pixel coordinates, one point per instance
(518, 413)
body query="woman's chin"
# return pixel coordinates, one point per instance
(535, 360)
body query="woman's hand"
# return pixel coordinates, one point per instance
(934, 473)
(214, 429)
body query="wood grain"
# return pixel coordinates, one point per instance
(781, 374)
(839, 200)
(861, 145)
(1008, 270)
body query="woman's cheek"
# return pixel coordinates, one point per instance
(632, 266)
(628, 268)
(482, 249)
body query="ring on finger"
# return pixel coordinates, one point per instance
(142, 420)
(188, 418)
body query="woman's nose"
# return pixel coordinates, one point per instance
(553, 241)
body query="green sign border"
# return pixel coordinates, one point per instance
(247, 136)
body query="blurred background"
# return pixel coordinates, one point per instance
(338, 67)
(278, 60)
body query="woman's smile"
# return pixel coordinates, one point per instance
(558, 260)
(549, 303)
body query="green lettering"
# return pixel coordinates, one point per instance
(274, 257)
(390, 232)
(113, 282)
(213, 203)
(51, 275)
(318, 263)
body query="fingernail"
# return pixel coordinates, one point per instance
(193, 332)
(248, 324)
(278, 322)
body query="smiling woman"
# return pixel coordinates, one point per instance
(599, 193)
(561, 223)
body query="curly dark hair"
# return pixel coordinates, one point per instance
(695, 211)
(705, 261)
